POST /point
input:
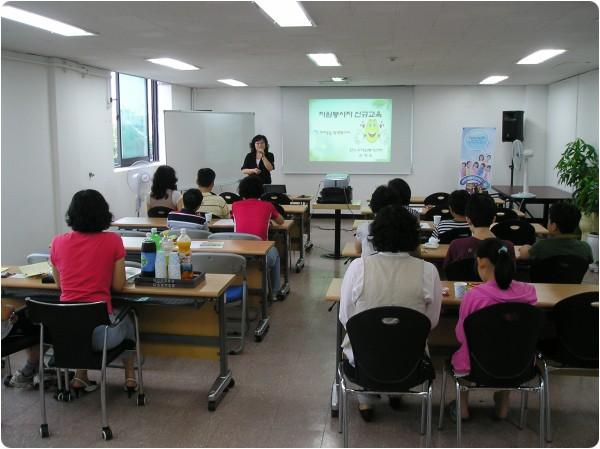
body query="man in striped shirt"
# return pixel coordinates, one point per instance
(457, 203)
(187, 217)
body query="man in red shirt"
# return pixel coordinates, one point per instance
(252, 216)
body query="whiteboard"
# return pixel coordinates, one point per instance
(217, 140)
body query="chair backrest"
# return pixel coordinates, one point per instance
(230, 197)
(437, 199)
(37, 257)
(462, 270)
(70, 326)
(219, 263)
(280, 188)
(559, 270)
(455, 233)
(505, 214)
(577, 330)
(276, 197)
(444, 211)
(159, 212)
(502, 341)
(130, 233)
(519, 232)
(389, 346)
(194, 234)
(233, 236)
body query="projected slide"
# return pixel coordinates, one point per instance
(350, 130)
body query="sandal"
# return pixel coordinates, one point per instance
(85, 386)
(451, 408)
(128, 387)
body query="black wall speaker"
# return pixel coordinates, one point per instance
(512, 126)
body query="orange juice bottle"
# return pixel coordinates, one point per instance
(184, 244)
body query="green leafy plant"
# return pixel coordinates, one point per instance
(578, 168)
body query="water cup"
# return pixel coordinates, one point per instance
(437, 219)
(460, 288)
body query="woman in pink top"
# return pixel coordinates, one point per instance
(496, 269)
(87, 263)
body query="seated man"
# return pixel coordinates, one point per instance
(403, 192)
(563, 219)
(211, 202)
(382, 196)
(457, 203)
(187, 217)
(252, 216)
(390, 277)
(480, 212)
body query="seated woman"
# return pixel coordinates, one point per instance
(381, 197)
(496, 268)
(164, 191)
(86, 264)
(390, 277)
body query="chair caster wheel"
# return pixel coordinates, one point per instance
(334, 413)
(212, 406)
(231, 385)
(6, 381)
(141, 400)
(44, 433)
(106, 433)
(258, 338)
(59, 396)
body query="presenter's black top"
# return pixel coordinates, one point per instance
(250, 162)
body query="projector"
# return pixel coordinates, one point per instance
(340, 180)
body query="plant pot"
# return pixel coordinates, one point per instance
(587, 224)
(592, 240)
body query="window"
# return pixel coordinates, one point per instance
(135, 119)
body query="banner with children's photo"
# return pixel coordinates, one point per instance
(476, 158)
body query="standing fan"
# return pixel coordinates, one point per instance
(139, 179)
(521, 156)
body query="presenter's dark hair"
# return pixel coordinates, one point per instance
(497, 253)
(205, 177)
(394, 230)
(88, 212)
(402, 190)
(565, 216)
(192, 199)
(251, 187)
(481, 210)
(257, 138)
(458, 201)
(164, 179)
(381, 197)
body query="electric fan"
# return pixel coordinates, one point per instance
(521, 156)
(139, 179)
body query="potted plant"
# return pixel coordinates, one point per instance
(578, 168)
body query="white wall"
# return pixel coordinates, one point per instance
(440, 112)
(572, 112)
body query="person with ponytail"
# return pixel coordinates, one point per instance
(496, 268)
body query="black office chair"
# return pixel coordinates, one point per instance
(230, 197)
(462, 270)
(389, 355)
(575, 348)
(276, 197)
(453, 234)
(502, 343)
(159, 212)
(70, 326)
(437, 210)
(437, 199)
(505, 214)
(559, 270)
(519, 232)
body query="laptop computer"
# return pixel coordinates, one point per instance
(275, 188)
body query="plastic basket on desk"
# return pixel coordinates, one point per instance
(170, 283)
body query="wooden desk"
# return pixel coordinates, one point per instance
(140, 223)
(421, 200)
(427, 227)
(355, 205)
(187, 326)
(246, 248)
(306, 200)
(543, 195)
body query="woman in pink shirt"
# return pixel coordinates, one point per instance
(496, 269)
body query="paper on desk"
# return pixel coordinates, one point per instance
(207, 244)
(224, 222)
(35, 269)
(131, 272)
(425, 225)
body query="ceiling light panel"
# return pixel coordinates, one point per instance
(324, 59)
(540, 56)
(285, 13)
(172, 63)
(493, 79)
(44, 23)
(232, 82)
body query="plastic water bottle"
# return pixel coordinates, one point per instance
(184, 244)
(155, 237)
(148, 256)
(160, 267)
(174, 269)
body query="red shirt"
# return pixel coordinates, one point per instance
(252, 216)
(85, 263)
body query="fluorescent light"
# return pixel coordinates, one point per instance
(232, 82)
(324, 59)
(285, 13)
(339, 79)
(493, 79)
(35, 20)
(173, 63)
(540, 56)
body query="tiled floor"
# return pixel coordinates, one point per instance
(281, 397)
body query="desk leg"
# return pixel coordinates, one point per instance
(300, 262)
(224, 381)
(338, 358)
(263, 324)
(308, 246)
(287, 246)
(338, 228)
